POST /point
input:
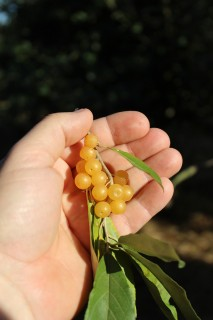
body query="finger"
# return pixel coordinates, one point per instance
(121, 127)
(66, 174)
(143, 148)
(148, 202)
(155, 141)
(44, 144)
(71, 155)
(166, 163)
(75, 208)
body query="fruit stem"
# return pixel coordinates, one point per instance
(105, 230)
(105, 167)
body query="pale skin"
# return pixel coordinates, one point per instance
(45, 268)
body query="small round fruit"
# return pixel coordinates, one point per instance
(87, 153)
(91, 140)
(102, 209)
(99, 178)
(99, 192)
(80, 166)
(92, 166)
(83, 181)
(118, 206)
(115, 192)
(121, 177)
(128, 193)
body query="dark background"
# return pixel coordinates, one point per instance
(151, 56)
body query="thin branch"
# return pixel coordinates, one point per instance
(105, 167)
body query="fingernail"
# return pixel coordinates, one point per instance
(78, 110)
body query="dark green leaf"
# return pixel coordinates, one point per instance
(111, 297)
(136, 162)
(158, 291)
(147, 245)
(177, 293)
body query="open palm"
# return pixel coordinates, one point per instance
(44, 234)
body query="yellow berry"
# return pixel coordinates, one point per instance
(80, 166)
(115, 192)
(99, 192)
(92, 166)
(128, 193)
(121, 177)
(102, 209)
(91, 140)
(118, 206)
(87, 153)
(83, 181)
(99, 178)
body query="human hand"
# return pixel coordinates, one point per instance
(44, 234)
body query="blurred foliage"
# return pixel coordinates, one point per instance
(109, 55)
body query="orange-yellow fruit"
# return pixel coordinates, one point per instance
(121, 177)
(99, 178)
(128, 193)
(102, 209)
(87, 153)
(118, 206)
(91, 140)
(80, 166)
(92, 166)
(115, 192)
(83, 181)
(99, 192)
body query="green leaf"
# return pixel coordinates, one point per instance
(136, 162)
(149, 246)
(111, 230)
(96, 235)
(94, 223)
(158, 291)
(111, 297)
(125, 263)
(177, 293)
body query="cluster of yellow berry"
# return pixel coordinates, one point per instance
(109, 197)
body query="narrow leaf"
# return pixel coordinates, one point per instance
(147, 245)
(111, 297)
(95, 234)
(177, 293)
(136, 162)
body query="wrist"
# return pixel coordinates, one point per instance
(13, 305)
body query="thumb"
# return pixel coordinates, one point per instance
(45, 143)
(30, 191)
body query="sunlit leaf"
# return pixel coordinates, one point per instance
(95, 235)
(147, 245)
(111, 297)
(177, 293)
(111, 230)
(124, 261)
(138, 163)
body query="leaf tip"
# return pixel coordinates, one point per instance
(161, 185)
(181, 264)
